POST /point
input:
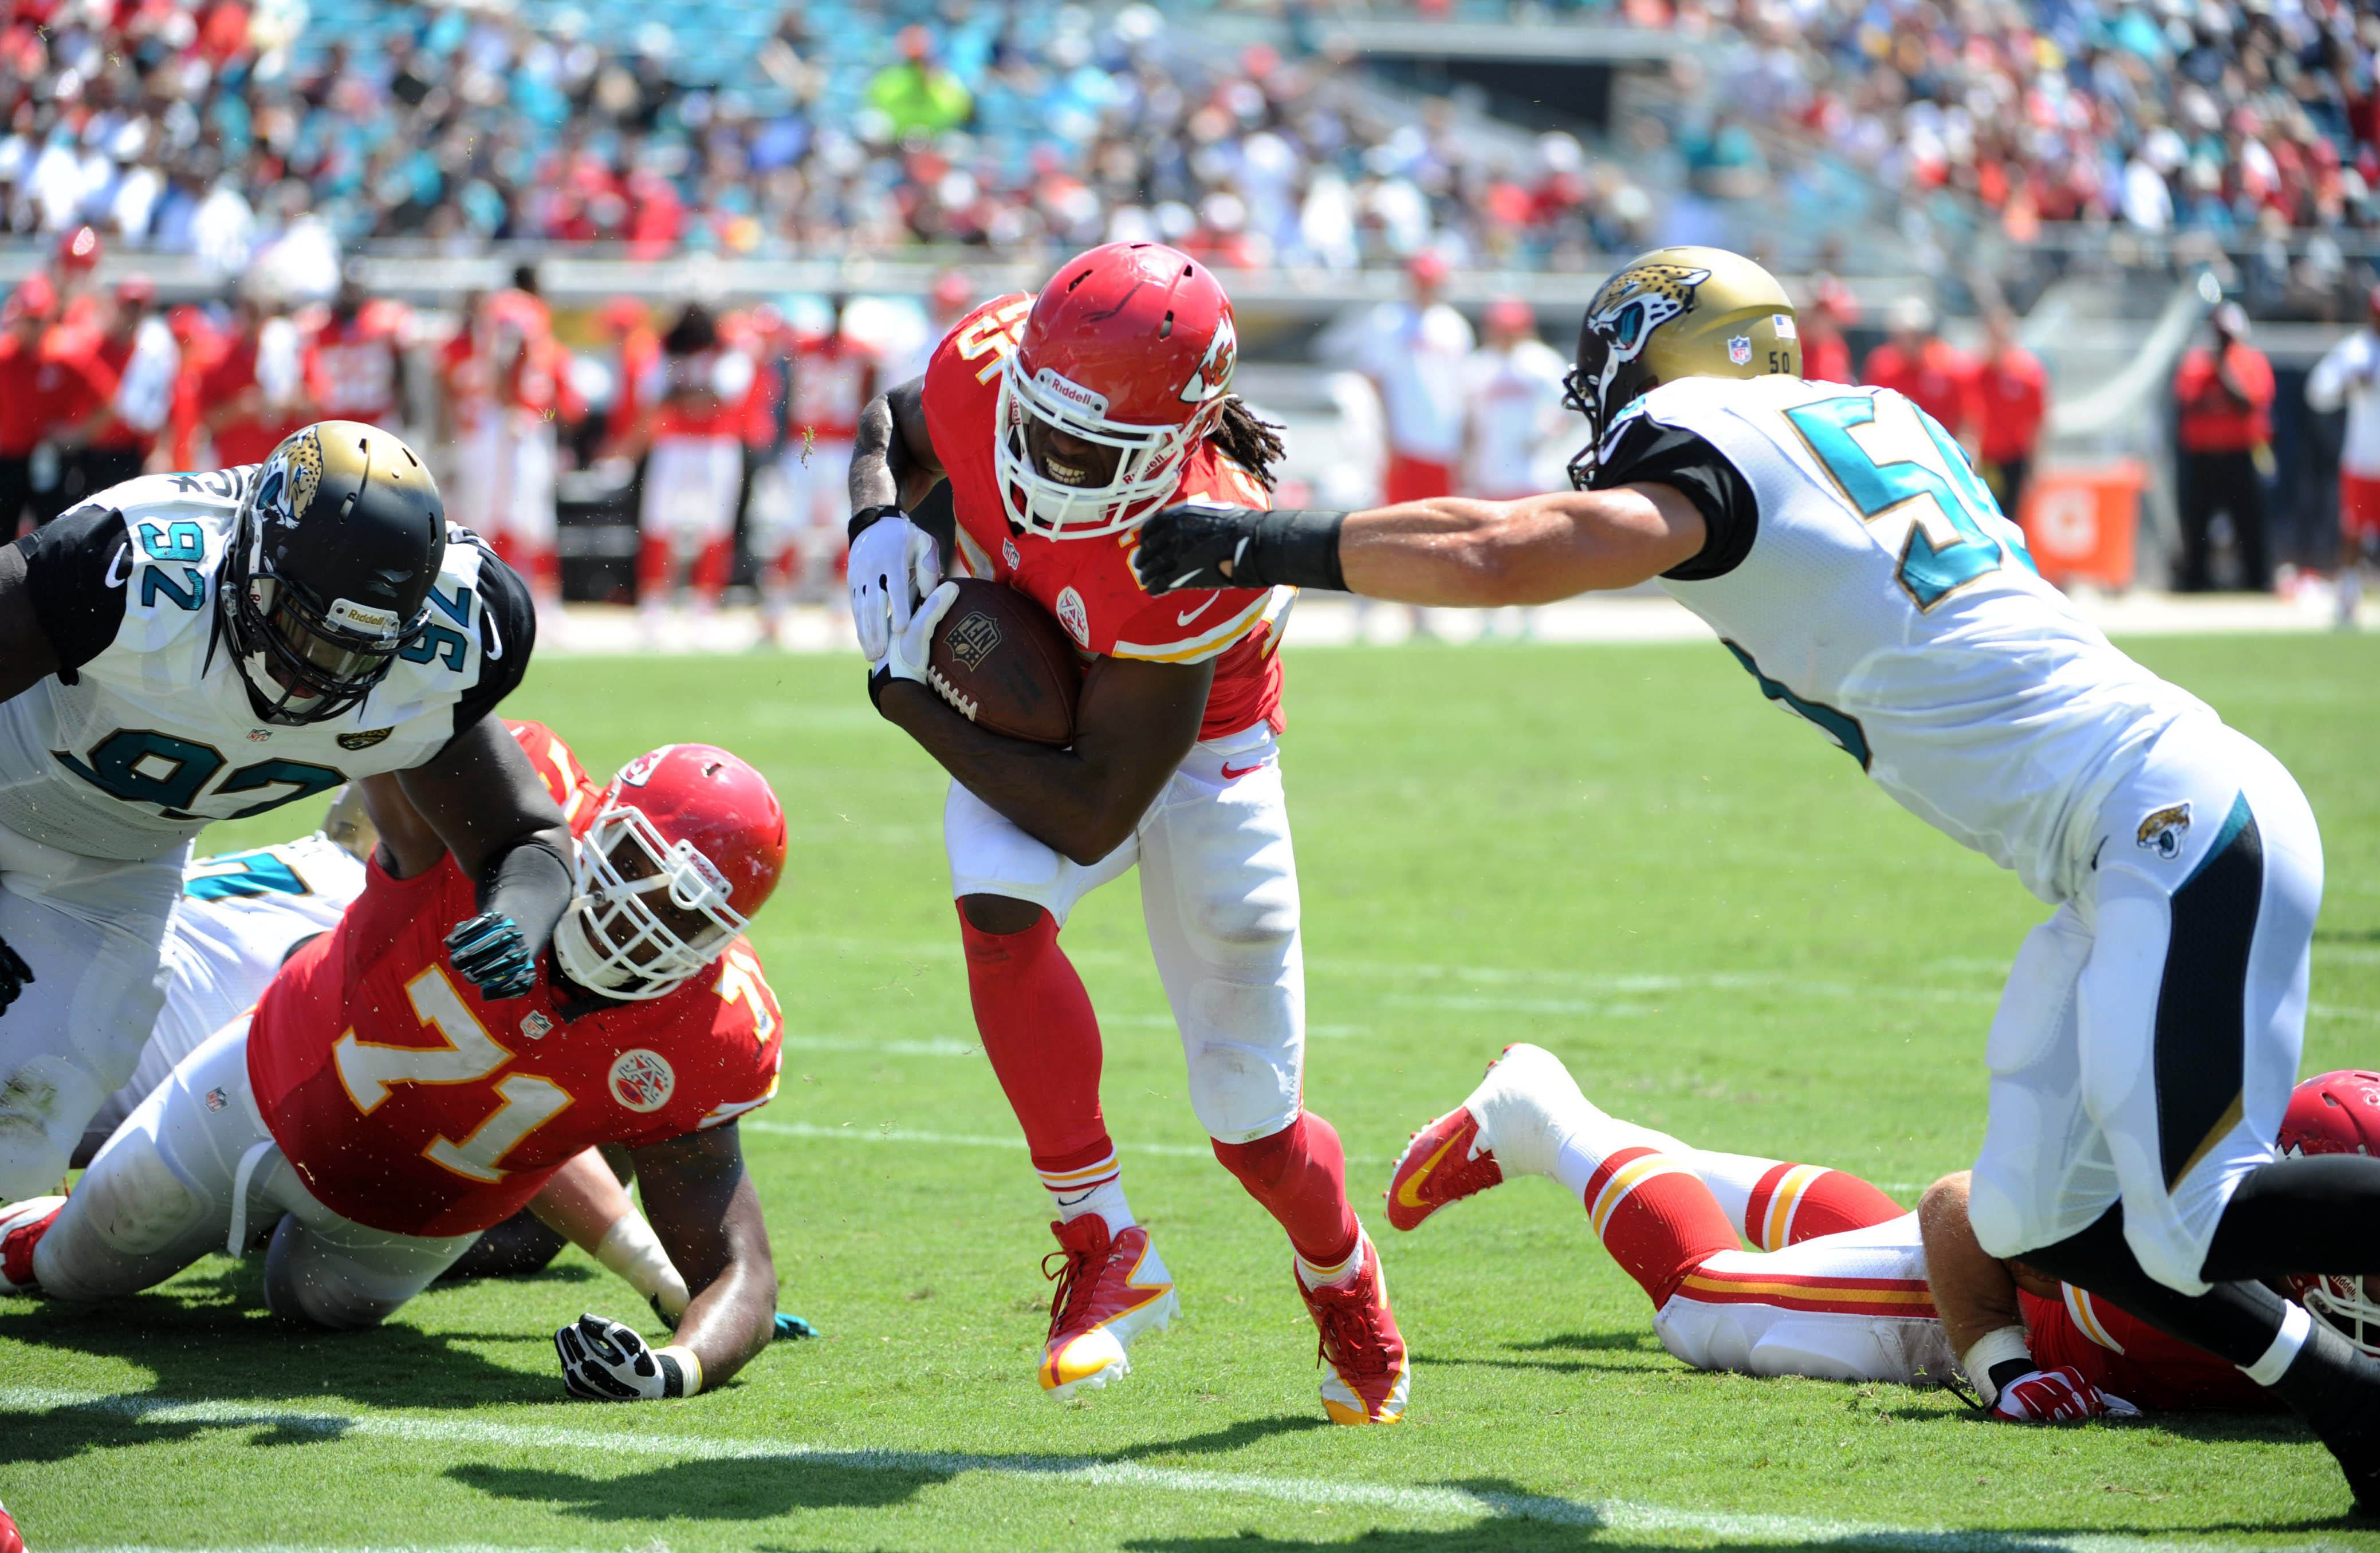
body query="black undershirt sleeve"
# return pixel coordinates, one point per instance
(76, 568)
(507, 636)
(1644, 451)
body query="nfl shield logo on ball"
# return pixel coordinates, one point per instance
(1738, 349)
(642, 1080)
(1073, 616)
(2162, 832)
(973, 639)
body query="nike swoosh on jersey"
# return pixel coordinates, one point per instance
(116, 568)
(1188, 615)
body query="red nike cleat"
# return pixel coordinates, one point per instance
(1110, 1290)
(1445, 1163)
(1359, 1341)
(22, 1227)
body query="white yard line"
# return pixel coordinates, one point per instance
(1426, 1500)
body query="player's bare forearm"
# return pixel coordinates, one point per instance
(892, 458)
(26, 655)
(582, 1201)
(1974, 1294)
(707, 1217)
(1134, 722)
(1455, 550)
(481, 796)
(408, 844)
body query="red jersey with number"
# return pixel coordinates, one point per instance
(833, 380)
(351, 364)
(411, 1104)
(2124, 1355)
(1087, 585)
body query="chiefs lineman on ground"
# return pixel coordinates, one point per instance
(392, 1113)
(1842, 1284)
(191, 648)
(1061, 421)
(1843, 547)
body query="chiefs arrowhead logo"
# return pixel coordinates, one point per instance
(1213, 377)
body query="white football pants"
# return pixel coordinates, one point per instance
(508, 461)
(1219, 892)
(93, 930)
(691, 484)
(814, 507)
(2149, 1036)
(1821, 1308)
(194, 1170)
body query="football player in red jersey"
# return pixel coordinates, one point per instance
(1061, 421)
(393, 1114)
(1841, 1284)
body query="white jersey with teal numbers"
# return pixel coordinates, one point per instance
(1863, 575)
(240, 915)
(147, 733)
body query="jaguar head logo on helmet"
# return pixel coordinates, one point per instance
(1675, 312)
(686, 843)
(337, 544)
(1123, 364)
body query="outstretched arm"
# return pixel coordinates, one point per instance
(1450, 551)
(485, 801)
(892, 458)
(707, 1217)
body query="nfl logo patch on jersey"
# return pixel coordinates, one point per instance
(1738, 349)
(1073, 616)
(217, 1097)
(642, 1080)
(1008, 553)
(535, 1025)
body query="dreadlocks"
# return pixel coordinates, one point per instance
(1253, 444)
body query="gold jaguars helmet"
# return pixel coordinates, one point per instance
(340, 536)
(1676, 313)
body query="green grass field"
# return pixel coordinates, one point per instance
(1620, 854)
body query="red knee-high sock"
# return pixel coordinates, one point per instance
(543, 570)
(1043, 1041)
(1794, 1203)
(1300, 1176)
(1656, 1218)
(654, 568)
(710, 570)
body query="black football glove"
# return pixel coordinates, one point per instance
(1185, 545)
(14, 974)
(605, 1361)
(492, 953)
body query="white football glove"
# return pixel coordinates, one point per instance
(907, 655)
(2060, 1396)
(605, 1361)
(894, 564)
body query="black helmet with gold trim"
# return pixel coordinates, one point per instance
(339, 539)
(1676, 313)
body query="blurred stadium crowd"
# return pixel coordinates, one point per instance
(1025, 130)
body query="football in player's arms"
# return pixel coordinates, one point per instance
(182, 649)
(1061, 421)
(1843, 1283)
(389, 1111)
(1841, 545)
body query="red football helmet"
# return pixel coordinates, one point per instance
(80, 249)
(2337, 1113)
(1130, 346)
(698, 831)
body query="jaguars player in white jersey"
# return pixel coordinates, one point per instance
(1844, 550)
(189, 648)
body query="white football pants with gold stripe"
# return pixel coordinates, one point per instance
(1838, 1292)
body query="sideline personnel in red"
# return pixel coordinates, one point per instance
(2223, 403)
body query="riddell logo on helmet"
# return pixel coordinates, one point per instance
(362, 618)
(1214, 374)
(1071, 393)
